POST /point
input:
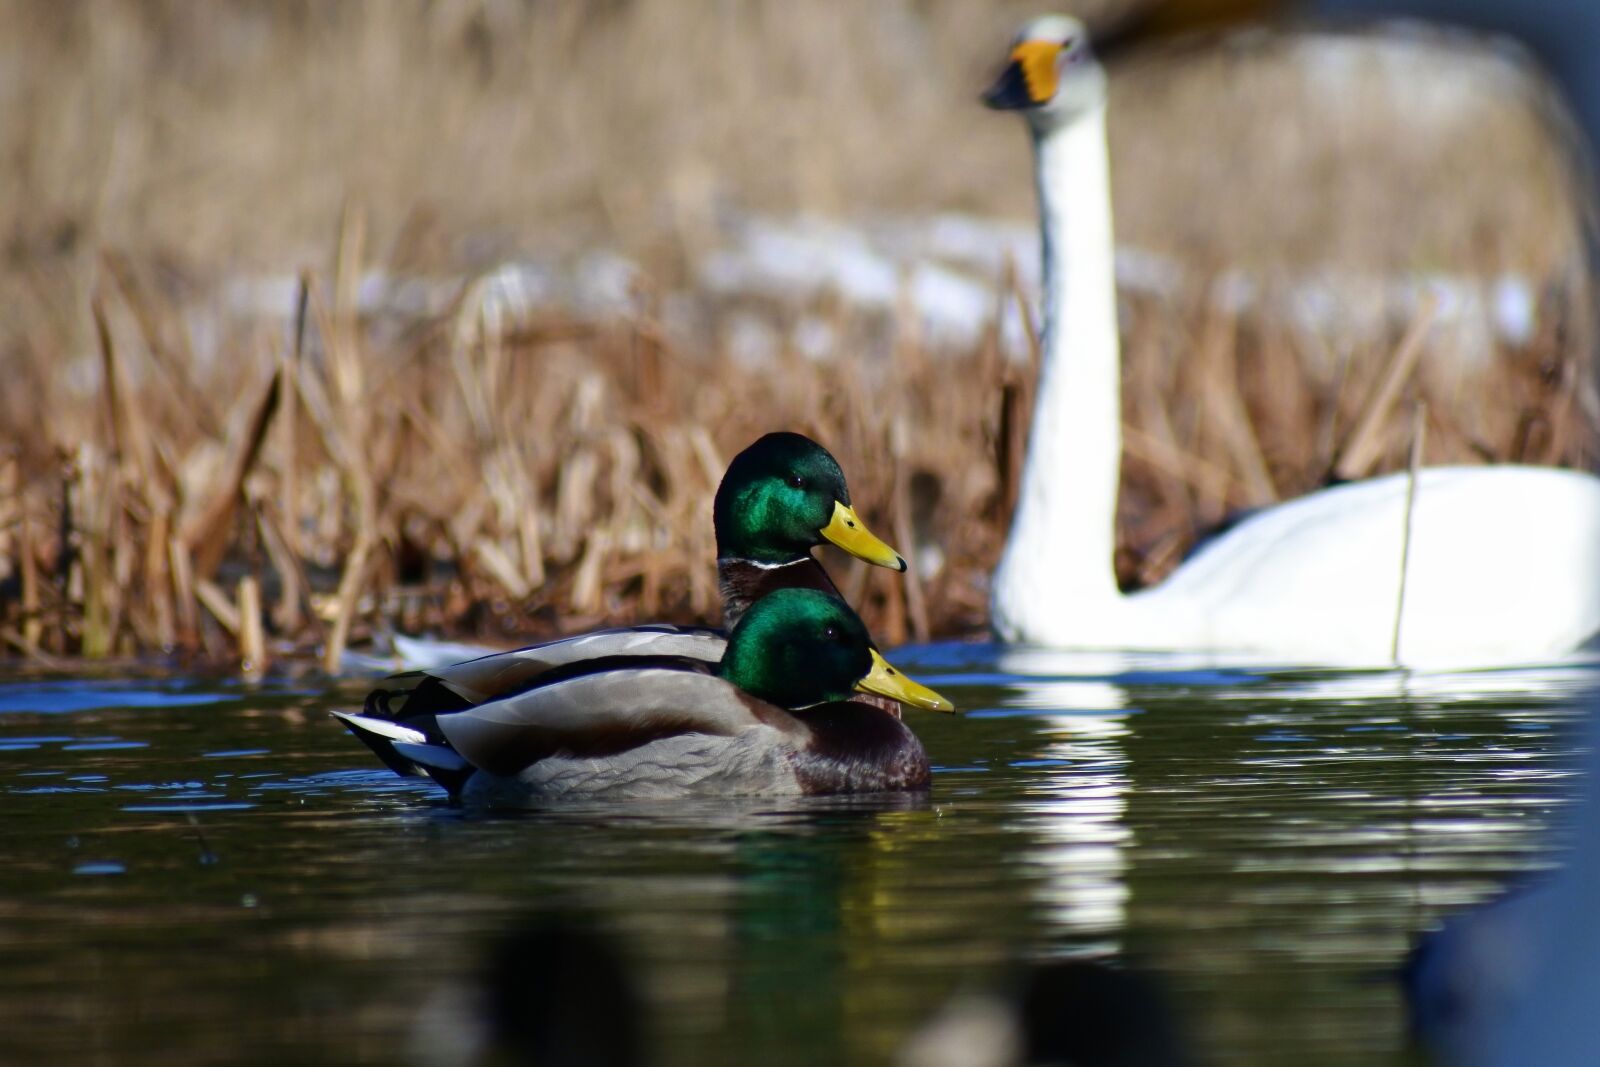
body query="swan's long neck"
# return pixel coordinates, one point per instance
(1063, 532)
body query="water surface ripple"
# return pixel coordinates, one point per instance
(203, 871)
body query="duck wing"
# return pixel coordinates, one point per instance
(454, 687)
(560, 703)
(604, 712)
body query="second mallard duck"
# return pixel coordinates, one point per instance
(780, 498)
(772, 717)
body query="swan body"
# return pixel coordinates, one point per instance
(1516, 981)
(1503, 561)
(1318, 579)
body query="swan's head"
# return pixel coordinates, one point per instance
(1051, 75)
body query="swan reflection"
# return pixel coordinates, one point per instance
(1391, 792)
(1077, 808)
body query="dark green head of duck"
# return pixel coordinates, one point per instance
(784, 495)
(800, 647)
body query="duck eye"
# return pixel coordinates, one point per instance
(797, 481)
(831, 633)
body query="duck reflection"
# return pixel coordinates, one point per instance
(827, 925)
(553, 990)
(876, 914)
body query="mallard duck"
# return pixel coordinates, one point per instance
(781, 497)
(1503, 560)
(773, 716)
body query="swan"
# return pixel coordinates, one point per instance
(1515, 981)
(1504, 561)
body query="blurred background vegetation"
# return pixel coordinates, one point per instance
(232, 134)
(327, 319)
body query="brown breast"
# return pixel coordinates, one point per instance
(857, 749)
(744, 583)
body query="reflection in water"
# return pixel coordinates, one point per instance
(1269, 839)
(1078, 803)
(1303, 821)
(1076, 1012)
(551, 989)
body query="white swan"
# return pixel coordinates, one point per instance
(1504, 561)
(1521, 977)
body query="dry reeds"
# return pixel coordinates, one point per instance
(506, 479)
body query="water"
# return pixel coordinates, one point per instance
(202, 871)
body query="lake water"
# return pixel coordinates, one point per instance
(210, 871)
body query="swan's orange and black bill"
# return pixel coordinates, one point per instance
(847, 531)
(1029, 79)
(886, 681)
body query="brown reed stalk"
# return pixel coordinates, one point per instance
(32, 617)
(289, 370)
(352, 583)
(252, 638)
(1364, 444)
(219, 605)
(185, 598)
(587, 582)
(94, 497)
(174, 367)
(294, 586)
(1225, 408)
(128, 440)
(158, 586)
(348, 432)
(915, 596)
(204, 531)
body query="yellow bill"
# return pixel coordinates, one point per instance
(1037, 60)
(852, 535)
(886, 681)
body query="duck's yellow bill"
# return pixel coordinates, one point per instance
(886, 681)
(852, 535)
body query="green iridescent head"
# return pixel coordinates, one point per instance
(784, 495)
(799, 647)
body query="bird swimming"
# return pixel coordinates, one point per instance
(781, 497)
(1503, 560)
(1514, 981)
(774, 716)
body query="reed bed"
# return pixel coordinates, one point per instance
(346, 476)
